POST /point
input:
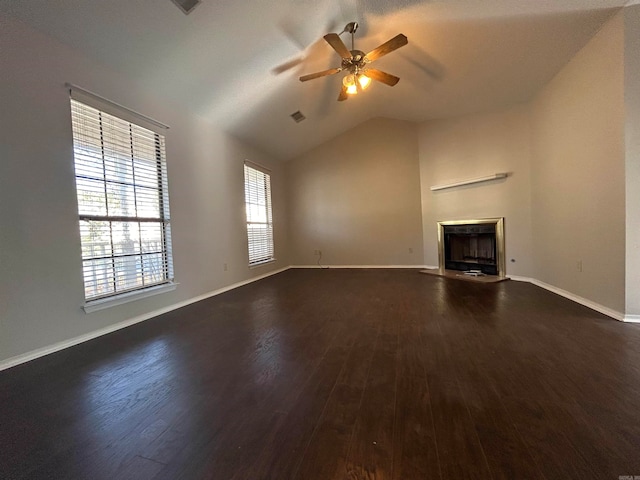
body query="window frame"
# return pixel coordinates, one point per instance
(260, 247)
(127, 276)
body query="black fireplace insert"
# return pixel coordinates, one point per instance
(471, 248)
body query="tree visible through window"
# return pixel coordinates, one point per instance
(257, 193)
(123, 203)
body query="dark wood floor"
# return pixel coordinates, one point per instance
(337, 374)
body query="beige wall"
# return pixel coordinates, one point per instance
(578, 186)
(41, 290)
(357, 198)
(476, 146)
(632, 158)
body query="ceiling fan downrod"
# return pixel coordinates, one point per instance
(351, 28)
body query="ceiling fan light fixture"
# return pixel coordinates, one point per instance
(349, 82)
(356, 62)
(364, 81)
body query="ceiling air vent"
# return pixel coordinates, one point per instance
(186, 6)
(298, 116)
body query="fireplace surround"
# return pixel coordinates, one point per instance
(472, 245)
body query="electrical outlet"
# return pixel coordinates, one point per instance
(579, 265)
(225, 267)
(410, 250)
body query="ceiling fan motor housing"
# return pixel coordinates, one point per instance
(356, 63)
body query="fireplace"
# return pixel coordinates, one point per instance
(472, 246)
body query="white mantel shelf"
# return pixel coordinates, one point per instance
(471, 181)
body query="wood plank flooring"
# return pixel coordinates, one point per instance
(337, 374)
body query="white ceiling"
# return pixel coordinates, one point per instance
(238, 62)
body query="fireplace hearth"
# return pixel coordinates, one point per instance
(472, 246)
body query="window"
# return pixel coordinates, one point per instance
(257, 194)
(123, 203)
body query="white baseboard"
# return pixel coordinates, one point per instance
(518, 278)
(41, 352)
(576, 298)
(563, 293)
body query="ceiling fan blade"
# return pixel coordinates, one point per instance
(338, 45)
(324, 73)
(387, 47)
(382, 77)
(343, 94)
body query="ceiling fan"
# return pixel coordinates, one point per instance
(356, 63)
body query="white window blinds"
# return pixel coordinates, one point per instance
(257, 192)
(123, 203)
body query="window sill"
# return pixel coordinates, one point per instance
(101, 304)
(262, 264)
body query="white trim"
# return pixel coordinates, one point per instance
(85, 94)
(41, 352)
(582, 301)
(262, 263)
(575, 298)
(471, 181)
(102, 303)
(257, 166)
(518, 278)
(310, 266)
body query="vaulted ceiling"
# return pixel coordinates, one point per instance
(237, 63)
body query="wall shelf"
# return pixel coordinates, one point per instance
(471, 181)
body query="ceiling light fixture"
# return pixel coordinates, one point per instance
(356, 63)
(355, 82)
(349, 82)
(364, 81)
